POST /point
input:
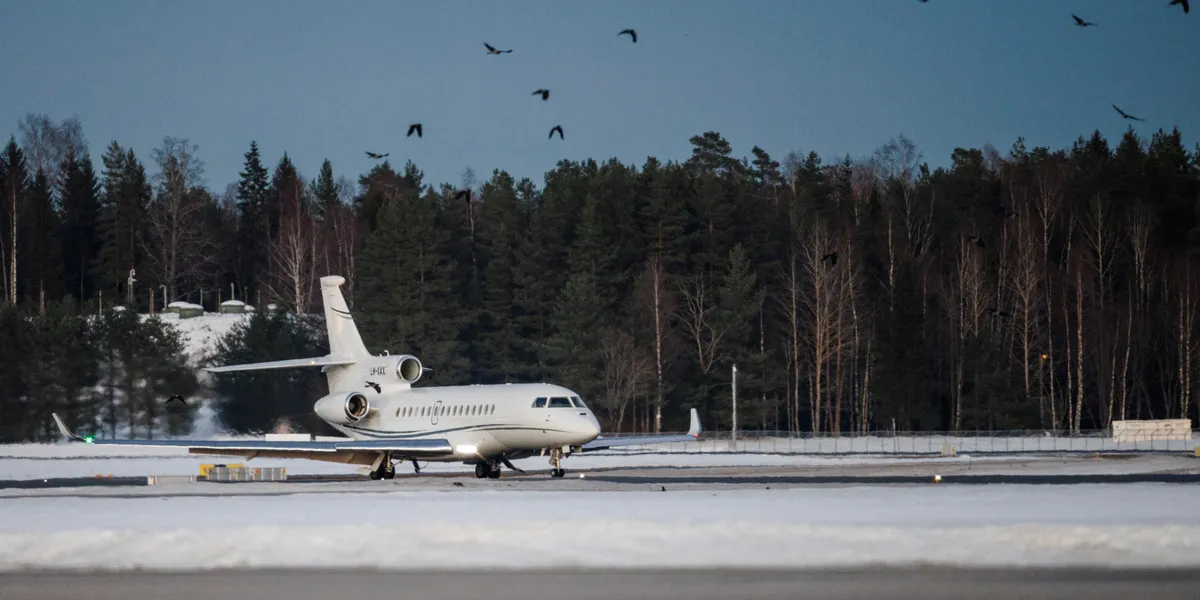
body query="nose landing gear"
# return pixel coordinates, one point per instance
(556, 456)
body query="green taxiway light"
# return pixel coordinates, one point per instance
(88, 439)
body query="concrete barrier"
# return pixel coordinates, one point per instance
(949, 450)
(1152, 431)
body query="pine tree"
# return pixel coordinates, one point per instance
(58, 369)
(14, 337)
(80, 209)
(41, 249)
(406, 294)
(325, 192)
(253, 225)
(122, 214)
(571, 350)
(498, 354)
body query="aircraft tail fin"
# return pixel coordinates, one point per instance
(344, 341)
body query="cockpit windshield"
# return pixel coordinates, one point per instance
(578, 402)
(560, 403)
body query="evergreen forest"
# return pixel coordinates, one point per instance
(1036, 289)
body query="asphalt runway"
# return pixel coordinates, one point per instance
(1058, 470)
(714, 584)
(691, 481)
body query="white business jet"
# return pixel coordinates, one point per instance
(371, 400)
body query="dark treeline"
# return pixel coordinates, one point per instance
(1049, 289)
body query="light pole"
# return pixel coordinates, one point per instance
(734, 385)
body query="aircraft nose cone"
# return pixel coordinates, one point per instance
(592, 427)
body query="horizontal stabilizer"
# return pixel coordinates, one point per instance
(324, 361)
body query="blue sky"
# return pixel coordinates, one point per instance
(325, 79)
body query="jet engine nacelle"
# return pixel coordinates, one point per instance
(408, 369)
(342, 408)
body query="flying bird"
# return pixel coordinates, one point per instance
(463, 195)
(545, 94)
(1081, 23)
(377, 156)
(492, 50)
(1127, 115)
(415, 127)
(557, 128)
(632, 34)
(375, 386)
(176, 397)
(1183, 3)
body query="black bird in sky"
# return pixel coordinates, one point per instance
(1081, 22)
(375, 386)
(463, 195)
(632, 34)
(557, 128)
(376, 156)
(176, 397)
(493, 50)
(415, 127)
(1127, 115)
(545, 94)
(1183, 3)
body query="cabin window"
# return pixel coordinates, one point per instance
(457, 411)
(578, 402)
(539, 403)
(423, 412)
(492, 409)
(472, 413)
(560, 403)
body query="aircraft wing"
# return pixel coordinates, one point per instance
(601, 443)
(279, 449)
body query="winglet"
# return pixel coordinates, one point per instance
(694, 428)
(63, 428)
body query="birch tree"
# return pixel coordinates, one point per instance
(657, 300)
(626, 370)
(176, 242)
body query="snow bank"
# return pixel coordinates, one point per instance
(1083, 525)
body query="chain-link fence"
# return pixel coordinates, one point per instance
(928, 443)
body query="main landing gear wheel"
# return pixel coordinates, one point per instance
(487, 470)
(558, 472)
(386, 470)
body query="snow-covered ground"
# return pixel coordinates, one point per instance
(1003, 525)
